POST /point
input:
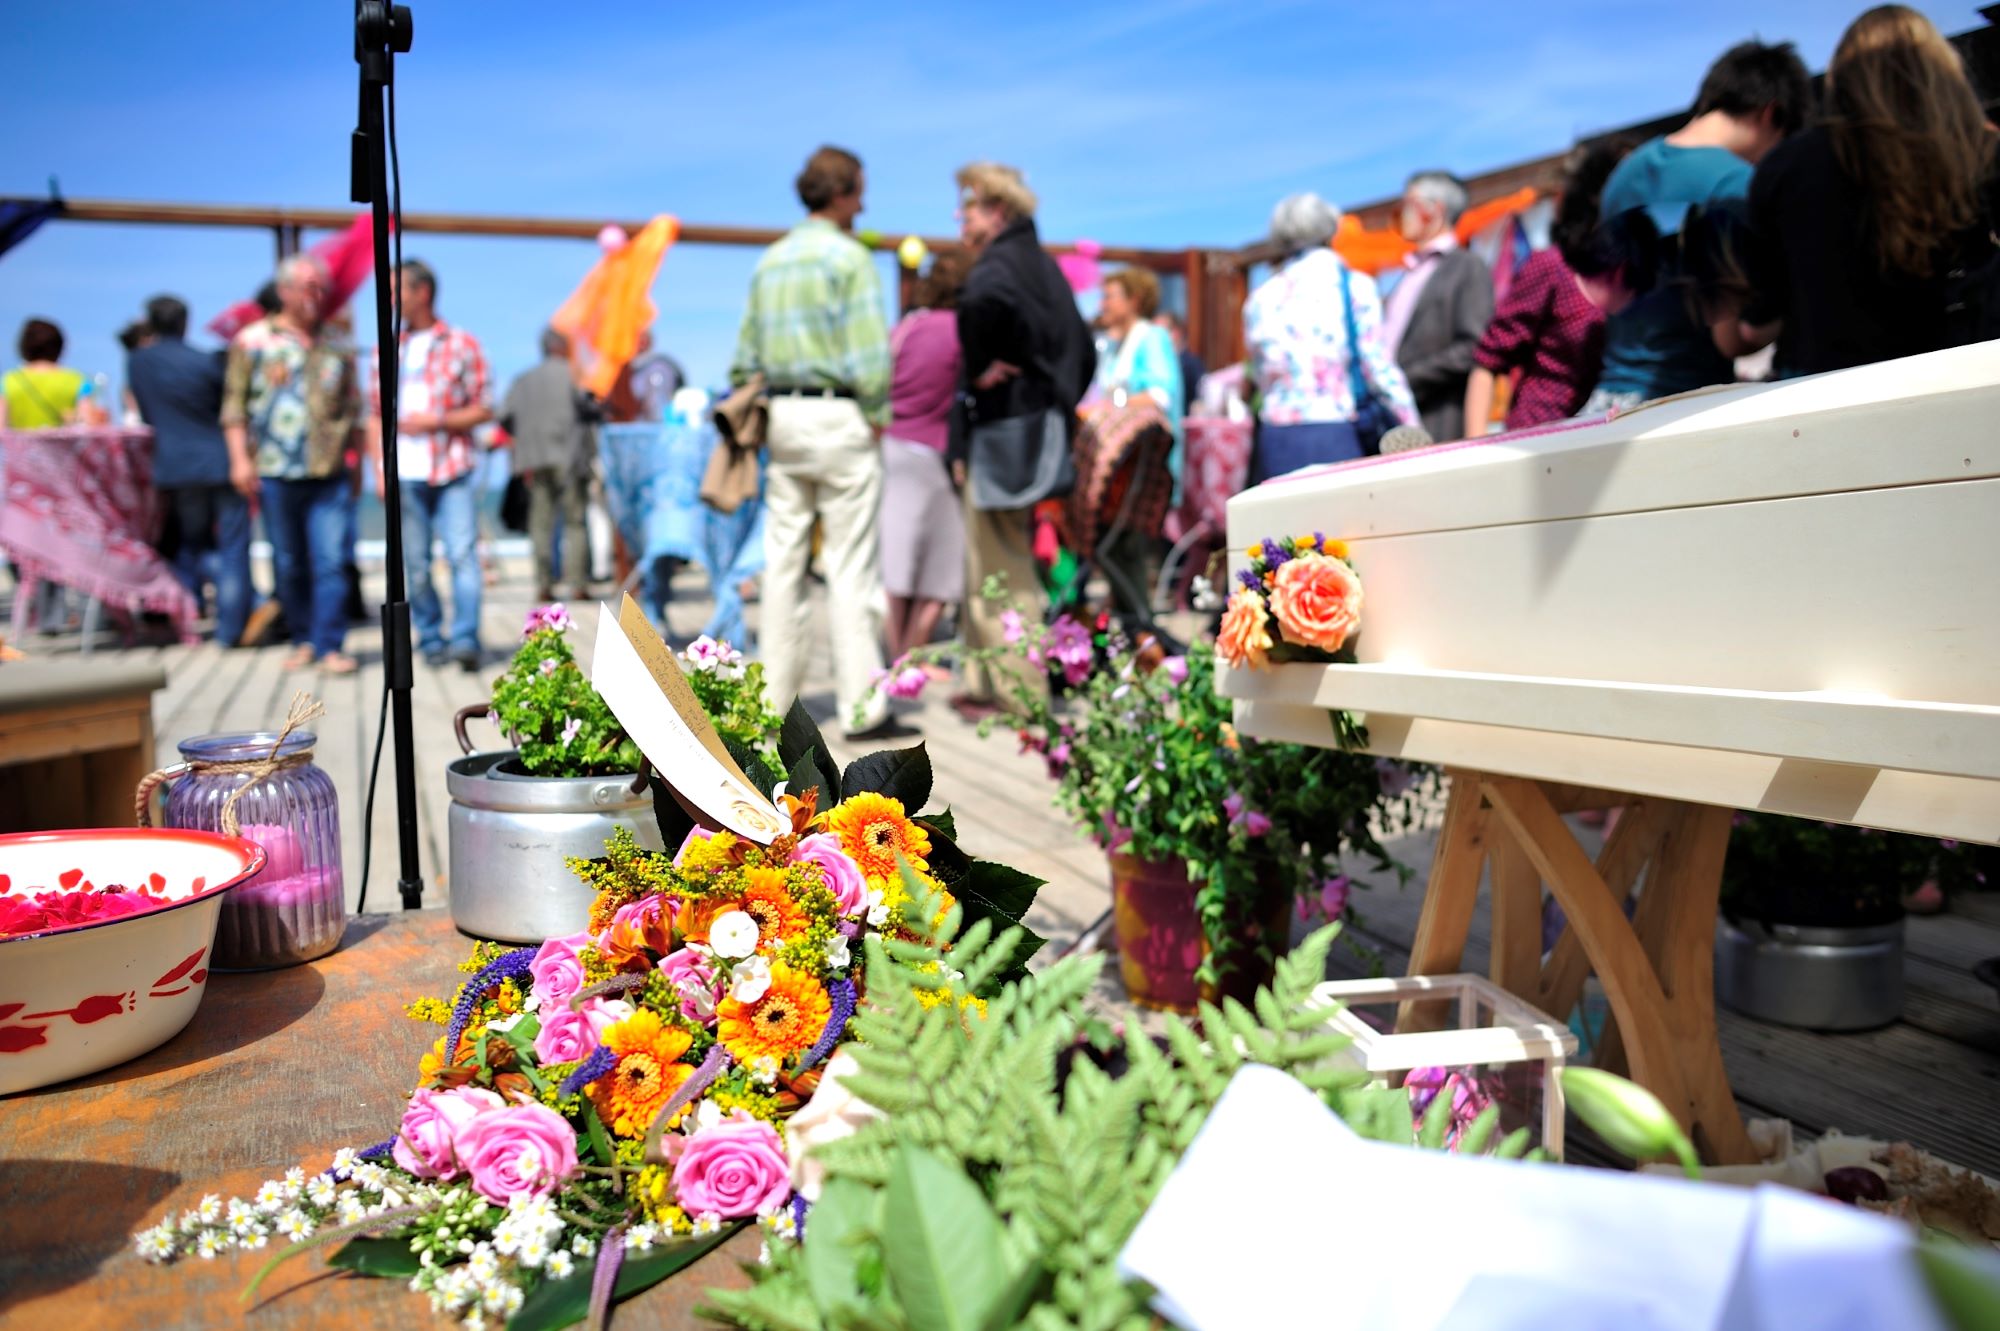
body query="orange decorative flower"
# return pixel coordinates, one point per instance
(698, 916)
(1334, 547)
(1317, 600)
(873, 831)
(640, 931)
(787, 1020)
(1244, 639)
(629, 1097)
(768, 900)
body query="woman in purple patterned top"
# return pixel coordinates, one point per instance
(1546, 327)
(922, 528)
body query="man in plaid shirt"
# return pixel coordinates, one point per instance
(441, 396)
(815, 329)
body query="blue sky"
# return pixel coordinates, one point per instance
(1166, 124)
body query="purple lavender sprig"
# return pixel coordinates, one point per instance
(799, 1208)
(377, 1151)
(604, 1279)
(512, 966)
(600, 1061)
(1274, 555)
(1248, 577)
(843, 994)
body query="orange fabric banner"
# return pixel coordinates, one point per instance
(1374, 251)
(613, 304)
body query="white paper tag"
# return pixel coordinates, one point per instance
(652, 699)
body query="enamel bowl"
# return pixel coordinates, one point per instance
(84, 997)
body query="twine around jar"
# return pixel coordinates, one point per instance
(304, 709)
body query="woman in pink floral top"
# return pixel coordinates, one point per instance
(1295, 332)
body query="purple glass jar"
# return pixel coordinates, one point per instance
(295, 908)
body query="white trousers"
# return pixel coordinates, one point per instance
(823, 462)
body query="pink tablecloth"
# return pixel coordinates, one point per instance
(80, 510)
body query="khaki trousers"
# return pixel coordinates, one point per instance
(824, 463)
(1001, 541)
(556, 492)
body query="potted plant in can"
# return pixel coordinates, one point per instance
(572, 778)
(1213, 839)
(1812, 925)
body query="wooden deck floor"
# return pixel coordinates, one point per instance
(1932, 1078)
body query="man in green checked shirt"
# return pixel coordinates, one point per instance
(815, 328)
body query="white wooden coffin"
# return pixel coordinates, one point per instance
(1781, 596)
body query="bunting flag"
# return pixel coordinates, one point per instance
(613, 304)
(1375, 251)
(19, 218)
(348, 256)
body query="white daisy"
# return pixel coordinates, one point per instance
(209, 1208)
(320, 1191)
(271, 1196)
(294, 1225)
(211, 1243)
(561, 1264)
(343, 1162)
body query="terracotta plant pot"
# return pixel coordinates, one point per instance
(1160, 940)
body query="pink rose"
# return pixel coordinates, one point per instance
(736, 1168)
(570, 1037)
(430, 1125)
(843, 876)
(1317, 600)
(557, 971)
(524, 1150)
(693, 978)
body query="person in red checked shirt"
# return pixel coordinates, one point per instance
(441, 397)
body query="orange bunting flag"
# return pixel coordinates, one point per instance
(1374, 251)
(613, 305)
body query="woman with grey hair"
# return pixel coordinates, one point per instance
(1313, 333)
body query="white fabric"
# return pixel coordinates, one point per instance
(1278, 1208)
(413, 397)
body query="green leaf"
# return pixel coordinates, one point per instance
(1007, 893)
(1629, 1117)
(1964, 1284)
(1475, 1138)
(762, 776)
(941, 1242)
(941, 824)
(391, 1258)
(1437, 1123)
(843, 1214)
(600, 1140)
(554, 1304)
(901, 774)
(1379, 1113)
(805, 776)
(800, 735)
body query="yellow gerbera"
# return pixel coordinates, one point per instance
(768, 900)
(629, 1097)
(873, 831)
(787, 1020)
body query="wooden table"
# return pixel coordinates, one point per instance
(278, 1068)
(75, 737)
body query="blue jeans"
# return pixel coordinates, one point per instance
(210, 526)
(1283, 448)
(732, 551)
(307, 523)
(450, 512)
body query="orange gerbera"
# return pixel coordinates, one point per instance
(787, 1020)
(698, 915)
(629, 1097)
(874, 831)
(768, 900)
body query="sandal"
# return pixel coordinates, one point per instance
(298, 658)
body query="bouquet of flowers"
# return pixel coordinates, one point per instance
(605, 1108)
(1302, 586)
(547, 707)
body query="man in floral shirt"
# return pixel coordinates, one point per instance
(290, 397)
(441, 396)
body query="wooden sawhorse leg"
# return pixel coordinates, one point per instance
(1656, 969)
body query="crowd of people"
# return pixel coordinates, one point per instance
(911, 463)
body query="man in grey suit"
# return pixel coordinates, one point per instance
(1434, 316)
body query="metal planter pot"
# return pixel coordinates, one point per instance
(1818, 979)
(510, 836)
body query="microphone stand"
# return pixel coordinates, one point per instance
(381, 32)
